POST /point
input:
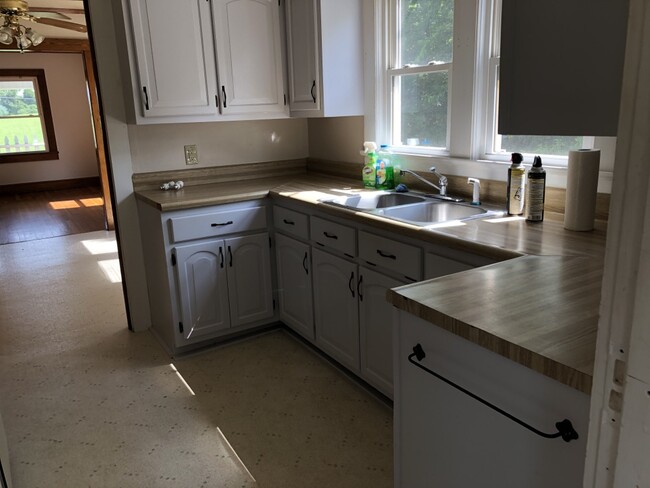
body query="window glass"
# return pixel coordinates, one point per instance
(423, 103)
(21, 126)
(26, 127)
(426, 31)
(549, 145)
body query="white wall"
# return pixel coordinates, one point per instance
(336, 139)
(66, 86)
(160, 147)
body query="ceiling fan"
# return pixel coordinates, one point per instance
(13, 11)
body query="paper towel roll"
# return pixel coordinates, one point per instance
(581, 189)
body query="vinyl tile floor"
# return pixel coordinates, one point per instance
(86, 403)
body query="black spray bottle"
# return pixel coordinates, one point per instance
(535, 192)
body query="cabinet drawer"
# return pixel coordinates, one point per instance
(335, 236)
(217, 223)
(291, 222)
(393, 255)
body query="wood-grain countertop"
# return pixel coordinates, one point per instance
(538, 307)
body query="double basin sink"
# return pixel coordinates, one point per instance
(418, 210)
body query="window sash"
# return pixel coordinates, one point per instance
(37, 78)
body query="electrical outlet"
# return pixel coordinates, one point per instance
(191, 154)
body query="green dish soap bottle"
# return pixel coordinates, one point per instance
(369, 171)
(385, 171)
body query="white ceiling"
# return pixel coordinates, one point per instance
(55, 32)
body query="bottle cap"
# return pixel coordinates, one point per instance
(516, 158)
(537, 162)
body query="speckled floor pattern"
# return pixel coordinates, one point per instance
(88, 404)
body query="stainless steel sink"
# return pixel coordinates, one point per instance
(372, 200)
(427, 213)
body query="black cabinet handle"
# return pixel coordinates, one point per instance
(288, 222)
(230, 256)
(313, 95)
(304, 263)
(330, 236)
(359, 287)
(221, 257)
(564, 427)
(350, 283)
(225, 97)
(386, 255)
(146, 98)
(221, 224)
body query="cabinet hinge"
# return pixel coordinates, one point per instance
(180, 327)
(173, 259)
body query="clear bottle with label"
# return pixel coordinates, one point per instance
(516, 186)
(369, 171)
(535, 192)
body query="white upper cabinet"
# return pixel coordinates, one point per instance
(176, 72)
(325, 57)
(206, 60)
(249, 55)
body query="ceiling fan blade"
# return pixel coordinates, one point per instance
(45, 14)
(62, 23)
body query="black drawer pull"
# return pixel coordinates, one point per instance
(222, 224)
(359, 287)
(220, 257)
(564, 427)
(313, 95)
(288, 222)
(304, 263)
(330, 236)
(386, 255)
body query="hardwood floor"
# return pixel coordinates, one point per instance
(44, 214)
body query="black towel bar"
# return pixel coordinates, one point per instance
(564, 428)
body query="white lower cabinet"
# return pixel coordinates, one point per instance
(376, 329)
(336, 308)
(293, 260)
(223, 284)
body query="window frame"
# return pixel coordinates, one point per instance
(473, 77)
(43, 101)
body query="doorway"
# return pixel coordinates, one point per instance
(55, 202)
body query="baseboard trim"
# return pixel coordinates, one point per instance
(49, 185)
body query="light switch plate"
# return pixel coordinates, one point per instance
(191, 154)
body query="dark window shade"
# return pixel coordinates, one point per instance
(561, 66)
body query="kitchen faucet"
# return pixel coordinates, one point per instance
(441, 186)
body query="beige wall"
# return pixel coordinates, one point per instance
(336, 139)
(66, 86)
(159, 147)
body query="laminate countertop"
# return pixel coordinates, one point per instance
(538, 306)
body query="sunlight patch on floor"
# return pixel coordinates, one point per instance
(92, 202)
(236, 457)
(180, 377)
(64, 204)
(100, 246)
(111, 269)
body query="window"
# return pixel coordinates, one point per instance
(420, 72)
(441, 84)
(26, 128)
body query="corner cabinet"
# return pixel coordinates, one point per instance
(209, 271)
(219, 60)
(325, 57)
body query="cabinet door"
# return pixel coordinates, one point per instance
(303, 55)
(202, 289)
(336, 308)
(294, 285)
(175, 57)
(248, 262)
(376, 329)
(249, 55)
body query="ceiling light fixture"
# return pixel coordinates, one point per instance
(12, 30)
